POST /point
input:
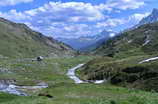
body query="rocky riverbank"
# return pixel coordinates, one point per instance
(9, 86)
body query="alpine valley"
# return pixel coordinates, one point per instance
(106, 68)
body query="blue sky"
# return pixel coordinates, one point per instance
(75, 18)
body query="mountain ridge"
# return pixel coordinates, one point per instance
(127, 60)
(153, 17)
(142, 39)
(19, 40)
(87, 43)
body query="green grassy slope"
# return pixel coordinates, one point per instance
(18, 40)
(126, 51)
(142, 40)
(124, 72)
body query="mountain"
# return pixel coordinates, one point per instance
(87, 43)
(153, 17)
(18, 40)
(125, 58)
(128, 60)
(142, 40)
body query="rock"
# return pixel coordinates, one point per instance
(42, 84)
(39, 58)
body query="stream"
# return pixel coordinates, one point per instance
(72, 75)
(17, 90)
(148, 60)
(7, 87)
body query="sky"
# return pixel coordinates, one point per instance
(76, 18)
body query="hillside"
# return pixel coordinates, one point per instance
(18, 40)
(124, 65)
(126, 72)
(142, 40)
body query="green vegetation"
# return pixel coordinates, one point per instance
(125, 76)
(139, 41)
(124, 72)
(51, 70)
(64, 91)
(125, 52)
(86, 94)
(18, 40)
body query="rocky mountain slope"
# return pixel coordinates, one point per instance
(153, 17)
(124, 65)
(18, 40)
(142, 40)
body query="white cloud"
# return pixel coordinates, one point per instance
(71, 18)
(138, 16)
(14, 15)
(72, 11)
(112, 22)
(125, 4)
(13, 2)
(115, 22)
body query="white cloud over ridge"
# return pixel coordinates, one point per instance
(13, 2)
(138, 16)
(14, 15)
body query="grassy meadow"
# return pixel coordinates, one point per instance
(64, 91)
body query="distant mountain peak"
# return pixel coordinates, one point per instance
(155, 11)
(90, 42)
(153, 17)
